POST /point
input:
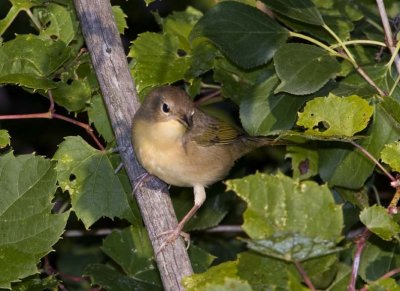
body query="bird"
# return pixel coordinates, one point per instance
(183, 146)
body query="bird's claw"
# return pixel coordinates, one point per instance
(172, 236)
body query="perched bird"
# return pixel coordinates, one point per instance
(185, 147)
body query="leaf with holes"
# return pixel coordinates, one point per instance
(335, 116)
(88, 175)
(157, 59)
(27, 226)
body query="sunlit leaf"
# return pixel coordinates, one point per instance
(4, 138)
(391, 155)
(335, 116)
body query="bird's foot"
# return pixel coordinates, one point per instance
(172, 236)
(140, 180)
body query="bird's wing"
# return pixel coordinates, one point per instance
(209, 131)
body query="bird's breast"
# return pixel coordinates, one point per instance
(161, 151)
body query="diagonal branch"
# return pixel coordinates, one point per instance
(120, 97)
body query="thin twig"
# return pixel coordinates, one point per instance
(50, 114)
(370, 81)
(360, 244)
(372, 158)
(208, 97)
(304, 275)
(388, 32)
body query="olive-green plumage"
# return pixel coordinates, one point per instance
(185, 147)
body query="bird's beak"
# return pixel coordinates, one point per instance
(186, 120)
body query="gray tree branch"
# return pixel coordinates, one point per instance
(120, 97)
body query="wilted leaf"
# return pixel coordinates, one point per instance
(27, 226)
(88, 175)
(335, 116)
(303, 69)
(378, 220)
(235, 28)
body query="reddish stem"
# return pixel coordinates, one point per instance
(304, 275)
(52, 115)
(387, 275)
(360, 244)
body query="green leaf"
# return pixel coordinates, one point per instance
(98, 116)
(27, 226)
(378, 258)
(342, 165)
(200, 259)
(132, 250)
(335, 116)
(263, 112)
(304, 161)
(30, 61)
(156, 60)
(59, 23)
(391, 155)
(265, 273)
(73, 95)
(181, 23)
(342, 278)
(237, 83)
(88, 175)
(232, 284)
(120, 18)
(384, 284)
(301, 10)
(378, 220)
(289, 216)
(4, 138)
(216, 275)
(245, 34)
(35, 283)
(110, 279)
(303, 69)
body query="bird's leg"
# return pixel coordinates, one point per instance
(140, 180)
(199, 198)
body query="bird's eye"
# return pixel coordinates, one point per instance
(165, 108)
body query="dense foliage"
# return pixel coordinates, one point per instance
(318, 213)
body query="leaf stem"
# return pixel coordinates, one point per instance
(304, 275)
(317, 42)
(396, 82)
(387, 275)
(331, 32)
(360, 244)
(50, 114)
(6, 21)
(359, 41)
(372, 158)
(34, 19)
(388, 33)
